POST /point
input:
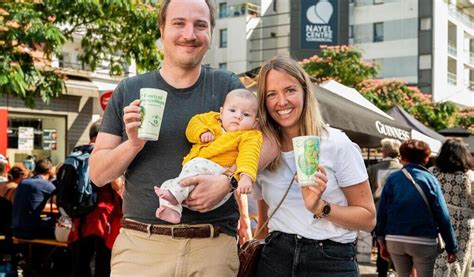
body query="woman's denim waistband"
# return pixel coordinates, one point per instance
(301, 239)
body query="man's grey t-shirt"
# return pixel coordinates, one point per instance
(161, 160)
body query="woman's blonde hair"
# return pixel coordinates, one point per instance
(310, 122)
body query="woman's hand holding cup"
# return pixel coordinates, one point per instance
(312, 193)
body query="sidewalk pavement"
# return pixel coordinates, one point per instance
(367, 270)
(370, 270)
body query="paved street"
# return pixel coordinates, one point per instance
(369, 270)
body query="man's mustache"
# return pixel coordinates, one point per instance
(193, 43)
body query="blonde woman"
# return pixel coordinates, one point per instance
(315, 228)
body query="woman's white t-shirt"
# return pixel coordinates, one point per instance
(344, 167)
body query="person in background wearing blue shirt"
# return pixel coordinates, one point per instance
(406, 228)
(31, 196)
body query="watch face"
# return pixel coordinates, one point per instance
(326, 209)
(234, 183)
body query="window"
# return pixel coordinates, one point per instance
(223, 65)
(222, 10)
(425, 62)
(425, 23)
(351, 31)
(64, 60)
(223, 38)
(378, 31)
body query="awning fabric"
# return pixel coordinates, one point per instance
(401, 115)
(363, 126)
(81, 88)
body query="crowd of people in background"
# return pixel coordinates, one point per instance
(29, 211)
(407, 224)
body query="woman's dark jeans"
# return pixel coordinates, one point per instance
(292, 255)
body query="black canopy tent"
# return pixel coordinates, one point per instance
(363, 126)
(401, 115)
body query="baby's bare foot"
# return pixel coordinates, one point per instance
(166, 195)
(168, 214)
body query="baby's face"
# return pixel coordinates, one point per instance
(239, 114)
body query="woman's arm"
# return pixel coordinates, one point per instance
(244, 232)
(360, 212)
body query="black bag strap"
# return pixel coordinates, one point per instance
(278, 206)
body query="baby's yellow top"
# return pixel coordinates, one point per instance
(227, 148)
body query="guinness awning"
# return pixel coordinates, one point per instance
(363, 126)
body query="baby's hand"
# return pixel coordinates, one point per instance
(207, 137)
(245, 185)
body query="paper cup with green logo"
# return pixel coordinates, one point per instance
(152, 106)
(306, 150)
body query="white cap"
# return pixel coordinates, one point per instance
(3, 159)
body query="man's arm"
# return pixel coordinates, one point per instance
(111, 156)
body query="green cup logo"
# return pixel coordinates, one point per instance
(155, 121)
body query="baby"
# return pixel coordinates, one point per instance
(220, 140)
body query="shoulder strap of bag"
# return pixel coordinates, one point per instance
(418, 188)
(278, 206)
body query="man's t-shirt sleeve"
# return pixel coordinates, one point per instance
(112, 121)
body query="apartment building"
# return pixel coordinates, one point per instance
(427, 43)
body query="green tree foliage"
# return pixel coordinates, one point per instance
(111, 31)
(341, 63)
(345, 65)
(387, 93)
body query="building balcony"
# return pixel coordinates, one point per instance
(461, 17)
(84, 70)
(452, 50)
(452, 78)
(245, 9)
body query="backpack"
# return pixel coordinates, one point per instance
(76, 193)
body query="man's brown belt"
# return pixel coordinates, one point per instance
(176, 231)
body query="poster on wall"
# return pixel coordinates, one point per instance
(319, 23)
(49, 139)
(26, 138)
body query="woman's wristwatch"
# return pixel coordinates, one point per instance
(325, 211)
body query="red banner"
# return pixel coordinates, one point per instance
(3, 131)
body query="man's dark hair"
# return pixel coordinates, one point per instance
(94, 130)
(16, 172)
(164, 6)
(454, 156)
(43, 166)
